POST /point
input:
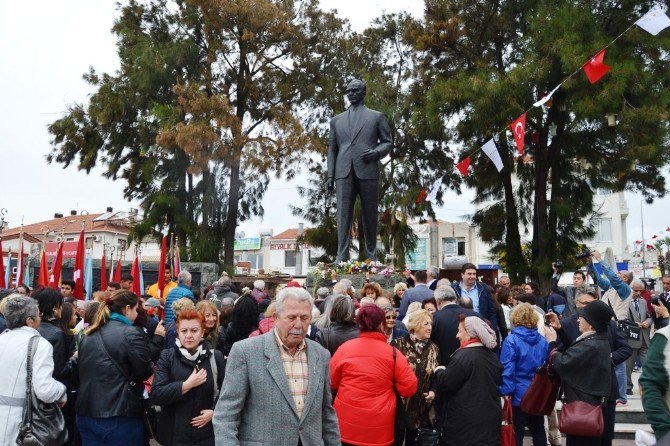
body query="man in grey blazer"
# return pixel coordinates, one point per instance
(277, 386)
(638, 314)
(358, 139)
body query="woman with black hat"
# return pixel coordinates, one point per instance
(585, 366)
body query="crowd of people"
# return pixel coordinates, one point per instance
(429, 360)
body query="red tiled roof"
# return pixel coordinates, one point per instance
(26, 237)
(289, 234)
(70, 224)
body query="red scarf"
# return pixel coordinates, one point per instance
(469, 341)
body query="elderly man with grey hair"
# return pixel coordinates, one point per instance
(295, 411)
(433, 273)
(344, 286)
(446, 321)
(23, 319)
(444, 295)
(183, 289)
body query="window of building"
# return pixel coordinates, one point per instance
(453, 246)
(89, 242)
(122, 244)
(256, 260)
(289, 259)
(603, 227)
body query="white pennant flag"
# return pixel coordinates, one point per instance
(434, 189)
(654, 21)
(544, 100)
(492, 152)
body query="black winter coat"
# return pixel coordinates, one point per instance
(337, 334)
(177, 410)
(620, 350)
(61, 346)
(104, 391)
(470, 386)
(585, 369)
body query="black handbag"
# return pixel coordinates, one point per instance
(427, 437)
(627, 328)
(43, 423)
(401, 418)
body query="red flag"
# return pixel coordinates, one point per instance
(650, 247)
(422, 196)
(43, 278)
(56, 268)
(2, 268)
(667, 229)
(594, 68)
(78, 274)
(654, 237)
(161, 268)
(463, 166)
(176, 269)
(103, 270)
(519, 132)
(136, 276)
(117, 271)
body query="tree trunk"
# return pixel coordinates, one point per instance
(231, 219)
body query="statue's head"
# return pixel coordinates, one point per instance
(355, 91)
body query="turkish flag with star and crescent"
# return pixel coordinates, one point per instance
(519, 132)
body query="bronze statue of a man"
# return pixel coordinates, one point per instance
(359, 138)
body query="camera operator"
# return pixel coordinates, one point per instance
(615, 286)
(570, 291)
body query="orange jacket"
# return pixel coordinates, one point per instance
(362, 373)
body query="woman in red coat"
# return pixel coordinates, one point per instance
(363, 375)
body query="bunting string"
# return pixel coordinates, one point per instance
(654, 21)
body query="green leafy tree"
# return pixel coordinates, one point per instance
(212, 97)
(485, 62)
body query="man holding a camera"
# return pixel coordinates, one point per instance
(570, 291)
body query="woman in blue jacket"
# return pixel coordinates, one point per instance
(523, 352)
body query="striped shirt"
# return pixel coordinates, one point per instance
(296, 371)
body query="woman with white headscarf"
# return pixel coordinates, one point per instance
(470, 386)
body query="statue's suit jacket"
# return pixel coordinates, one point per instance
(256, 407)
(346, 145)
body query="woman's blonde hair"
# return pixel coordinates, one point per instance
(524, 315)
(270, 310)
(416, 318)
(101, 296)
(399, 286)
(414, 306)
(181, 304)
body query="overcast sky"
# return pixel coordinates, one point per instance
(44, 54)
